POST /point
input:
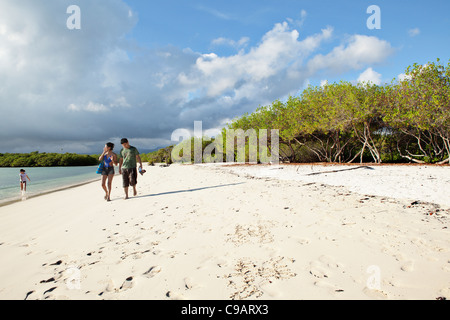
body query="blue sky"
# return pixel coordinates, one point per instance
(141, 69)
(419, 31)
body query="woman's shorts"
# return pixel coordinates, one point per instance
(108, 171)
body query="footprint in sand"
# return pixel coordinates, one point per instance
(189, 283)
(318, 271)
(271, 292)
(330, 262)
(399, 257)
(127, 284)
(157, 252)
(111, 287)
(49, 280)
(174, 295)
(408, 267)
(47, 294)
(303, 241)
(221, 263)
(321, 268)
(375, 294)
(153, 271)
(29, 294)
(327, 285)
(160, 231)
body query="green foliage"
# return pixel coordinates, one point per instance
(36, 159)
(342, 122)
(160, 156)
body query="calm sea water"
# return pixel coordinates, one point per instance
(43, 180)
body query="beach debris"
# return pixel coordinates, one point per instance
(363, 199)
(441, 298)
(429, 209)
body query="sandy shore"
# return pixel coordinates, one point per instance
(247, 232)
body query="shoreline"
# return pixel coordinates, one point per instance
(9, 201)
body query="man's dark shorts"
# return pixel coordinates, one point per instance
(129, 177)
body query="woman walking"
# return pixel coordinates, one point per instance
(109, 159)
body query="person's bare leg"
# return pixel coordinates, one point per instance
(104, 186)
(134, 191)
(110, 178)
(126, 192)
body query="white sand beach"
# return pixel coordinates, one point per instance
(236, 232)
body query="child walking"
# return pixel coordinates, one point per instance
(23, 180)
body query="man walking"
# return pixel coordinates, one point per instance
(128, 158)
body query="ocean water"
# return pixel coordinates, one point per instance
(43, 180)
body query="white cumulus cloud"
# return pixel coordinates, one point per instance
(360, 50)
(370, 76)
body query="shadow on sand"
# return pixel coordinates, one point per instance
(334, 171)
(189, 190)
